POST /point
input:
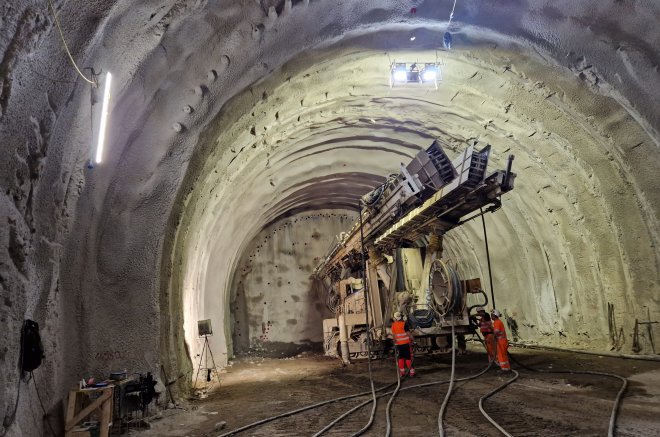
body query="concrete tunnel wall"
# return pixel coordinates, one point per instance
(290, 107)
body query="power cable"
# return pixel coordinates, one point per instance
(388, 409)
(388, 418)
(300, 410)
(46, 415)
(490, 274)
(443, 407)
(367, 309)
(9, 419)
(451, 15)
(426, 384)
(483, 305)
(66, 47)
(446, 38)
(489, 394)
(617, 400)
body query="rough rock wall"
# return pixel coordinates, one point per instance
(276, 309)
(41, 177)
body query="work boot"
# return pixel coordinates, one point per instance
(412, 372)
(402, 372)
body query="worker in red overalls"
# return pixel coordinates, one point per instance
(486, 329)
(403, 343)
(502, 342)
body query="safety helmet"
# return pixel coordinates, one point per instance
(496, 313)
(398, 316)
(481, 310)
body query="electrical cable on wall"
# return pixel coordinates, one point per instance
(9, 419)
(446, 39)
(46, 415)
(66, 47)
(94, 82)
(451, 15)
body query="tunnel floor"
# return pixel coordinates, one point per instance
(534, 405)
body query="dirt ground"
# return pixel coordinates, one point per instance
(535, 405)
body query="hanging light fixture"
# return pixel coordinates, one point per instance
(104, 118)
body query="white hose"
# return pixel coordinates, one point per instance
(441, 414)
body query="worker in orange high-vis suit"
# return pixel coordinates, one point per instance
(486, 329)
(502, 342)
(403, 344)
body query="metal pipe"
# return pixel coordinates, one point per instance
(343, 337)
(490, 274)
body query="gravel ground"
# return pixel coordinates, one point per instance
(535, 405)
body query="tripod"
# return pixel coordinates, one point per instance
(206, 351)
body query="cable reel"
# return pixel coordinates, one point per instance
(445, 285)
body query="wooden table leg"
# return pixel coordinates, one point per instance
(106, 417)
(71, 409)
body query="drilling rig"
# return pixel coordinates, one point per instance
(393, 252)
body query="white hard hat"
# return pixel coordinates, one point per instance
(480, 309)
(496, 313)
(398, 316)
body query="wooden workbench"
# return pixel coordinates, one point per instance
(80, 407)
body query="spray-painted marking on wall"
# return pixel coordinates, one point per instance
(110, 355)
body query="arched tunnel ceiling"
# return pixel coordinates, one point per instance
(321, 131)
(291, 111)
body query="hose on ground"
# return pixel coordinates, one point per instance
(388, 409)
(426, 384)
(489, 394)
(388, 418)
(441, 414)
(343, 398)
(300, 410)
(617, 400)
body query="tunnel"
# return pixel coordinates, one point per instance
(240, 137)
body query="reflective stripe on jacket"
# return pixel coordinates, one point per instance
(399, 332)
(498, 329)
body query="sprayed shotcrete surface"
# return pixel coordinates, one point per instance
(276, 308)
(229, 116)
